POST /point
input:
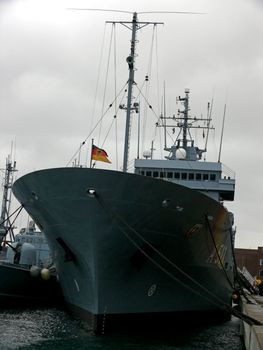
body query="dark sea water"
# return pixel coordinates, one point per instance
(49, 329)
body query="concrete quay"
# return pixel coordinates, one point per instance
(252, 334)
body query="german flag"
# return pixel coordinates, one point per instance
(99, 154)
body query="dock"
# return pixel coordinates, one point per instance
(253, 334)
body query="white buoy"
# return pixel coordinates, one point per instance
(34, 271)
(45, 274)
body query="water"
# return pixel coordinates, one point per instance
(50, 329)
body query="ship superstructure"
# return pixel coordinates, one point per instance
(183, 165)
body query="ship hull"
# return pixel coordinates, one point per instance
(128, 247)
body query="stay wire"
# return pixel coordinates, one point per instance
(217, 252)
(115, 217)
(158, 86)
(115, 104)
(115, 118)
(91, 132)
(98, 78)
(106, 80)
(18, 209)
(147, 102)
(157, 68)
(159, 253)
(237, 277)
(147, 89)
(154, 112)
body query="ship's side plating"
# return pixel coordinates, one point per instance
(127, 244)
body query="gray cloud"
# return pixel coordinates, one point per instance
(49, 61)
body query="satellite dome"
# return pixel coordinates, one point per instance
(147, 154)
(180, 153)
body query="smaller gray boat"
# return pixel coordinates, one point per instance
(27, 274)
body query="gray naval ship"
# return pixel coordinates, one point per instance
(139, 249)
(27, 274)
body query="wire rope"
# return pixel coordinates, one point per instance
(147, 88)
(94, 128)
(106, 81)
(218, 301)
(115, 104)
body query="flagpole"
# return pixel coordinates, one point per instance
(91, 153)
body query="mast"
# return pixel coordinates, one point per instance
(135, 25)
(185, 118)
(185, 123)
(209, 113)
(6, 201)
(130, 61)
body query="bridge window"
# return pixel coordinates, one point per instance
(198, 176)
(184, 176)
(177, 175)
(162, 174)
(212, 177)
(142, 172)
(205, 176)
(169, 175)
(155, 174)
(148, 173)
(191, 176)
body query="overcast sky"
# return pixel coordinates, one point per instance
(52, 84)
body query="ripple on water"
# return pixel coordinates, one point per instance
(53, 329)
(28, 327)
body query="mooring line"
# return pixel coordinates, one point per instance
(220, 303)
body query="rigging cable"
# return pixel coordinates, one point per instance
(98, 79)
(237, 277)
(115, 104)
(11, 227)
(97, 86)
(91, 132)
(222, 133)
(106, 81)
(117, 217)
(217, 252)
(19, 208)
(158, 88)
(114, 119)
(18, 211)
(154, 112)
(147, 89)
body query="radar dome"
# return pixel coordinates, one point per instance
(180, 153)
(147, 154)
